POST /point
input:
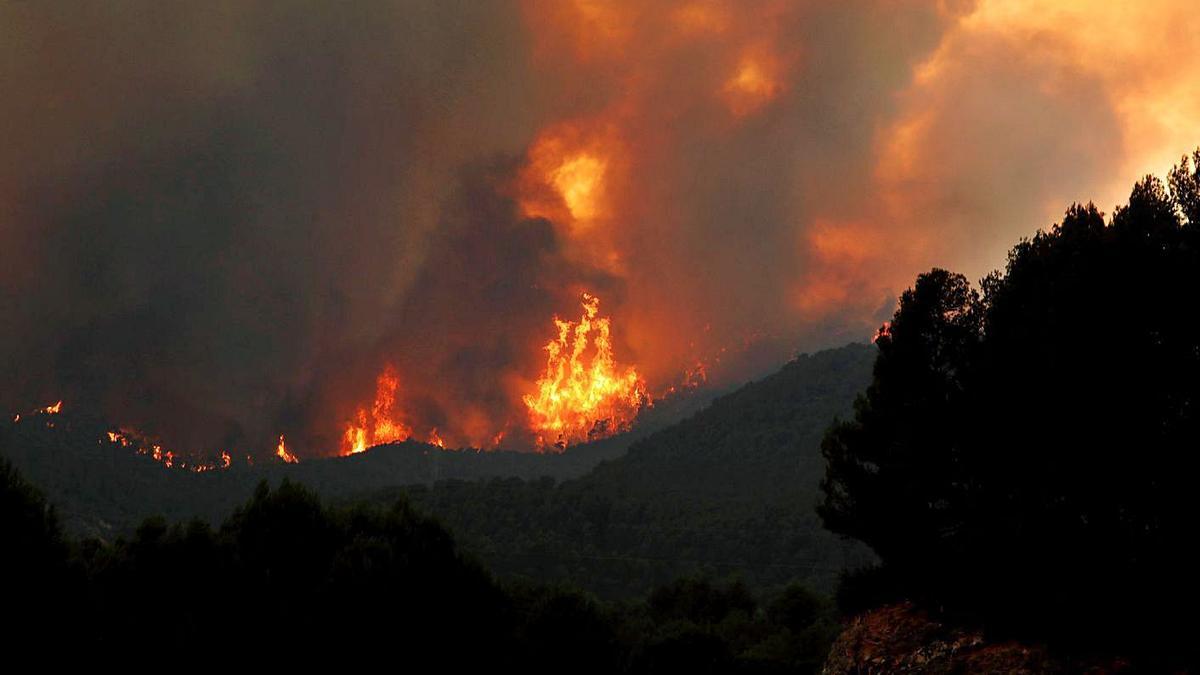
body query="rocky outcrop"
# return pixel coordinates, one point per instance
(903, 639)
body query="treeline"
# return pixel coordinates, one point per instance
(1026, 455)
(288, 576)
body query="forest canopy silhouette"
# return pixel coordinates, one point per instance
(1027, 451)
(290, 576)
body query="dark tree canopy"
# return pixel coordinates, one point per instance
(1030, 451)
(290, 578)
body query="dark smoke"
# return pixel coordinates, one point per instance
(219, 221)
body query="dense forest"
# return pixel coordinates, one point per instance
(288, 575)
(731, 489)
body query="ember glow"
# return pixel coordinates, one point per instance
(583, 394)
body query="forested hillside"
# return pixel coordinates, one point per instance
(730, 490)
(287, 574)
(103, 490)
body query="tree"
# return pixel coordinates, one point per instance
(1029, 455)
(892, 477)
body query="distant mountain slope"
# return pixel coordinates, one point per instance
(103, 490)
(762, 439)
(730, 489)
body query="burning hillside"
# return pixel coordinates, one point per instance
(584, 394)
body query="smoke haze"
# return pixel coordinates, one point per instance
(221, 221)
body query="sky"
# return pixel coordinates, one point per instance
(224, 221)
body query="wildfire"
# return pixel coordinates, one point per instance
(435, 439)
(885, 330)
(196, 462)
(47, 410)
(381, 425)
(281, 452)
(578, 399)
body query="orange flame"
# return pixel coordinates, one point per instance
(577, 401)
(435, 439)
(281, 452)
(191, 461)
(383, 426)
(885, 330)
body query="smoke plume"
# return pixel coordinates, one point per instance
(222, 221)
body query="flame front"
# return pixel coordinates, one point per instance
(382, 424)
(281, 451)
(436, 439)
(196, 462)
(578, 399)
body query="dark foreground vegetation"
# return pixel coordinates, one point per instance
(1026, 456)
(288, 576)
(730, 490)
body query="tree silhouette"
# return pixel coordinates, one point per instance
(38, 587)
(1029, 454)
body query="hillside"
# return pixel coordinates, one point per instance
(729, 490)
(103, 490)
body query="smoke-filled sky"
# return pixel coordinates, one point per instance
(220, 221)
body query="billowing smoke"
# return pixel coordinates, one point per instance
(221, 221)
